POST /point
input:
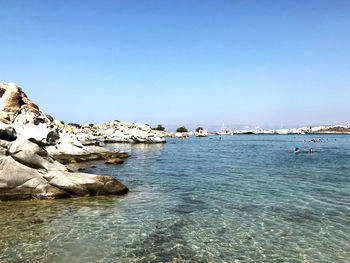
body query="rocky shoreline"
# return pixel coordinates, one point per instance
(34, 149)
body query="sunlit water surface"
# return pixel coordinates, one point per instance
(247, 198)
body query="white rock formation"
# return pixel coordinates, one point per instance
(27, 171)
(115, 131)
(30, 123)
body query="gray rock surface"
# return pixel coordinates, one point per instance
(28, 171)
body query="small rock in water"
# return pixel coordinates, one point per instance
(81, 169)
(94, 166)
(114, 161)
(38, 221)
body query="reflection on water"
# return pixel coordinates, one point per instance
(243, 199)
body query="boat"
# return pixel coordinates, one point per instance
(223, 131)
(201, 133)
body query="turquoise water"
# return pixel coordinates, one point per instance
(247, 198)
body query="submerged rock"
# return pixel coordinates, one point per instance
(114, 161)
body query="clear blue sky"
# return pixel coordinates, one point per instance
(176, 62)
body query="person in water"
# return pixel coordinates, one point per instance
(311, 150)
(297, 150)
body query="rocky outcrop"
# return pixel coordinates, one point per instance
(30, 123)
(118, 132)
(25, 116)
(34, 148)
(29, 141)
(27, 171)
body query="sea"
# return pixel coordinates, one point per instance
(246, 198)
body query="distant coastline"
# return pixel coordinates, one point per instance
(322, 129)
(342, 129)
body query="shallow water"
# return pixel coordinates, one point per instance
(247, 198)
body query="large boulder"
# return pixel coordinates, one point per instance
(27, 171)
(68, 149)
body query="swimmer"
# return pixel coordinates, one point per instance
(311, 151)
(297, 150)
